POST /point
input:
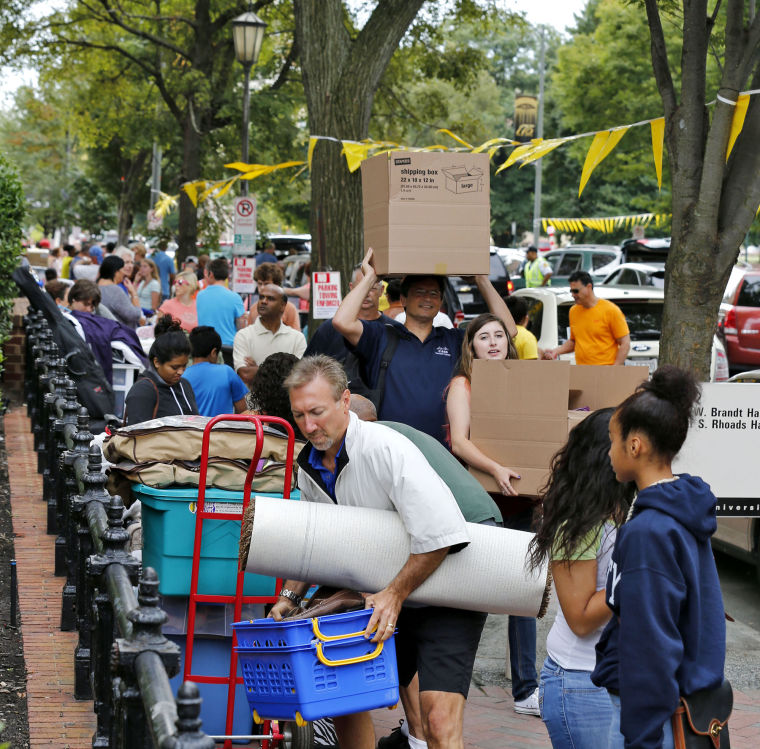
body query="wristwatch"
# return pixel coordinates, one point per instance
(285, 593)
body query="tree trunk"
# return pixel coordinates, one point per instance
(134, 172)
(191, 170)
(714, 200)
(340, 77)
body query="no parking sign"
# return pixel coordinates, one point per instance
(245, 226)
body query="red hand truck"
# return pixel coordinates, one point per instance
(271, 734)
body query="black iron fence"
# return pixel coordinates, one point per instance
(122, 659)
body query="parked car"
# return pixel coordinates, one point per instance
(596, 259)
(637, 274)
(740, 322)
(470, 298)
(654, 250)
(286, 244)
(549, 321)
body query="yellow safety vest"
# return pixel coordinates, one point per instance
(533, 275)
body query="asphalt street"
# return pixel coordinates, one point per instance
(741, 597)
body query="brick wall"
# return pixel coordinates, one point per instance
(13, 350)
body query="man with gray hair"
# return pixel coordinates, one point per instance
(364, 464)
(268, 335)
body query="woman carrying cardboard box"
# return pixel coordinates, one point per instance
(486, 337)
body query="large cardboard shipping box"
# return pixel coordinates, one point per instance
(522, 411)
(427, 212)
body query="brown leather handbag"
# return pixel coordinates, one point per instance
(701, 719)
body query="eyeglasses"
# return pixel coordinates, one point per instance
(575, 291)
(420, 293)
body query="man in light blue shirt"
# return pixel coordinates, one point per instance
(166, 270)
(219, 307)
(218, 390)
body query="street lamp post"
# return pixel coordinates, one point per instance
(247, 36)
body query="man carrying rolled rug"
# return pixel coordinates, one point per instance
(361, 464)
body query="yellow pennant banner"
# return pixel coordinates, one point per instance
(604, 142)
(604, 224)
(658, 140)
(601, 148)
(740, 112)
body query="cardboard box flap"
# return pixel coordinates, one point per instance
(526, 428)
(531, 481)
(603, 387)
(518, 453)
(530, 388)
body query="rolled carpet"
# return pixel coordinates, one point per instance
(363, 549)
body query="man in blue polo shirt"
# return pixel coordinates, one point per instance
(423, 363)
(166, 269)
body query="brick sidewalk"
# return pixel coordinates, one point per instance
(489, 722)
(55, 717)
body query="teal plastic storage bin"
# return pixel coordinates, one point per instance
(168, 524)
(332, 674)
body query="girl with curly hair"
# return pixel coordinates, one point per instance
(583, 504)
(268, 397)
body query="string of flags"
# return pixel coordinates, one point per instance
(603, 143)
(606, 224)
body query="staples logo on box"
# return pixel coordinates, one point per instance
(401, 162)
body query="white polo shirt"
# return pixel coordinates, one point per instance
(257, 342)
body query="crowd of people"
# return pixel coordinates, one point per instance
(383, 404)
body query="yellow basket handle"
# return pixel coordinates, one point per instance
(331, 638)
(348, 661)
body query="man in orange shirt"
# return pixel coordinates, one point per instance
(598, 331)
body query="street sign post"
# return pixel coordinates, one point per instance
(245, 226)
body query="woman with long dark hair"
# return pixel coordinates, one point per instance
(161, 390)
(582, 506)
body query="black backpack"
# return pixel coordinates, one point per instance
(94, 391)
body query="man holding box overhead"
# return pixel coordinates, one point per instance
(425, 356)
(360, 464)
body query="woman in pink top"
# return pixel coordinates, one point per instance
(182, 305)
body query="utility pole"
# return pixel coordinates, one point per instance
(539, 134)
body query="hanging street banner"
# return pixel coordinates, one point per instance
(325, 293)
(526, 116)
(245, 226)
(242, 275)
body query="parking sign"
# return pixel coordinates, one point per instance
(245, 226)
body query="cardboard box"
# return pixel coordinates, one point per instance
(38, 258)
(522, 411)
(427, 212)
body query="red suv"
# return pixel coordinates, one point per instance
(741, 323)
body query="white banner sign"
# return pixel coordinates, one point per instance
(723, 444)
(325, 294)
(245, 226)
(242, 275)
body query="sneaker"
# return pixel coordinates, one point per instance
(528, 706)
(394, 740)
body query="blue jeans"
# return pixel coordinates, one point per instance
(521, 633)
(577, 714)
(616, 740)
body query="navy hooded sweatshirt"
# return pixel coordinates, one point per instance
(151, 397)
(667, 635)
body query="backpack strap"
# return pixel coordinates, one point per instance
(390, 349)
(155, 408)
